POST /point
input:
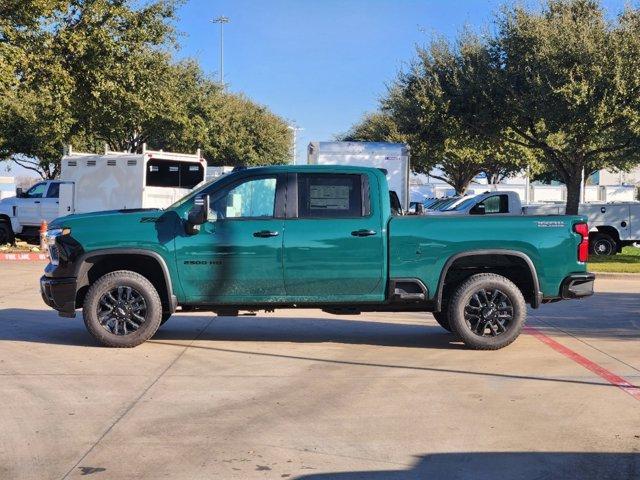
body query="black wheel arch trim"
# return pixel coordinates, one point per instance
(83, 265)
(537, 294)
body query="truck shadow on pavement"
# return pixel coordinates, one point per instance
(604, 316)
(506, 465)
(41, 326)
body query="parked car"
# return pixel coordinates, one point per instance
(313, 237)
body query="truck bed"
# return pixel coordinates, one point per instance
(420, 246)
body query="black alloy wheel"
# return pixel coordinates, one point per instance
(488, 313)
(122, 310)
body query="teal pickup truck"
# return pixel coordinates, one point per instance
(315, 237)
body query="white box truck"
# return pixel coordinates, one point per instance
(392, 157)
(96, 182)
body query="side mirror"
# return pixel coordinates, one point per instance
(478, 209)
(19, 193)
(198, 214)
(419, 208)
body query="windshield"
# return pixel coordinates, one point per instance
(437, 203)
(462, 205)
(198, 188)
(444, 205)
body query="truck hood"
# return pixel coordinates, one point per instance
(7, 204)
(148, 229)
(99, 217)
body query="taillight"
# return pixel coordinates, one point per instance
(583, 248)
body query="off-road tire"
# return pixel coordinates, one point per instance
(6, 233)
(113, 280)
(463, 295)
(601, 244)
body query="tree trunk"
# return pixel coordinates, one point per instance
(461, 186)
(573, 185)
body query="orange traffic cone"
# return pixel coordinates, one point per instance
(43, 241)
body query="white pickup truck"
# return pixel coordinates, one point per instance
(488, 203)
(611, 225)
(22, 214)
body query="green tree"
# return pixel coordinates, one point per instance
(71, 70)
(566, 86)
(374, 127)
(241, 132)
(91, 72)
(434, 106)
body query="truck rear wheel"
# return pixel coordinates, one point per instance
(602, 244)
(6, 233)
(122, 309)
(487, 311)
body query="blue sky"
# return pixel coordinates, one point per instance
(321, 63)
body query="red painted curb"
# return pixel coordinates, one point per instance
(599, 370)
(23, 257)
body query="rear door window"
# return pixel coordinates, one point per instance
(330, 196)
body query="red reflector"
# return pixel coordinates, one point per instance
(583, 248)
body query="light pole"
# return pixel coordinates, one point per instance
(295, 131)
(221, 20)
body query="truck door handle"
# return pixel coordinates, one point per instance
(265, 234)
(37, 201)
(363, 233)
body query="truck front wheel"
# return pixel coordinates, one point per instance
(122, 309)
(6, 233)
(487, 311)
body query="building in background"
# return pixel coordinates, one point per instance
(602, 186)
(7, 187)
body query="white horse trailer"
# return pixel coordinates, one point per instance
(124, 181)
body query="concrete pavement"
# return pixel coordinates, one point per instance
(302, 394)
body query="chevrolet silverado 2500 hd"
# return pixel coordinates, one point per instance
(314, 237)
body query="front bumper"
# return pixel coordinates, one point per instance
(60, 294)
(577, 285)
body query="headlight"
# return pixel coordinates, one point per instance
(50, 239)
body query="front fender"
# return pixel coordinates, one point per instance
(8, 212)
